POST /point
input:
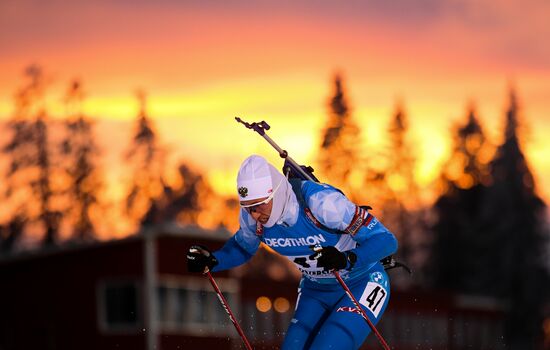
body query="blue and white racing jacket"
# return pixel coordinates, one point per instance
(294, 234)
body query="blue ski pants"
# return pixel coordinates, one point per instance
(326, 318)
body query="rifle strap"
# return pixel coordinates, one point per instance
(297, 188)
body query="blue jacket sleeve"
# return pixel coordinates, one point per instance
(231, 255)
(375, 243)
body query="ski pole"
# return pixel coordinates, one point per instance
(227, 309)
(363, 312)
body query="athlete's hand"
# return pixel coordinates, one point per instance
(199, 258)
(329, 258)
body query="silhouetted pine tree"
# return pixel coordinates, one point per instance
(81, 156)
(514, 218)
(399, 195)
(340, 141)
(457, 252)
(20, 151)
(468, 165)
(29, 178)
(146, 159)
(182, 204)
(49, 217)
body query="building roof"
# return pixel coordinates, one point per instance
(165, 230)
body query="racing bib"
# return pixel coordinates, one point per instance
(374, 297)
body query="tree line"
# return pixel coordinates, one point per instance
(54, 183)
(487, 232)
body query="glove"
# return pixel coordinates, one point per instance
(199, 258)
(330, 258)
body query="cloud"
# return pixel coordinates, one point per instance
(505, 35)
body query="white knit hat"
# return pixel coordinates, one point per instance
(254, 179)
(259, 179)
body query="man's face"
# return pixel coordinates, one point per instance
(259, 209)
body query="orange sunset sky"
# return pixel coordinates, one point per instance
(204, 62)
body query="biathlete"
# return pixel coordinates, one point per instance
(320, 231)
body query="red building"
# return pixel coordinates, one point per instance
(135, 293)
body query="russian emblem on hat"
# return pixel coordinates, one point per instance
(243, 191)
